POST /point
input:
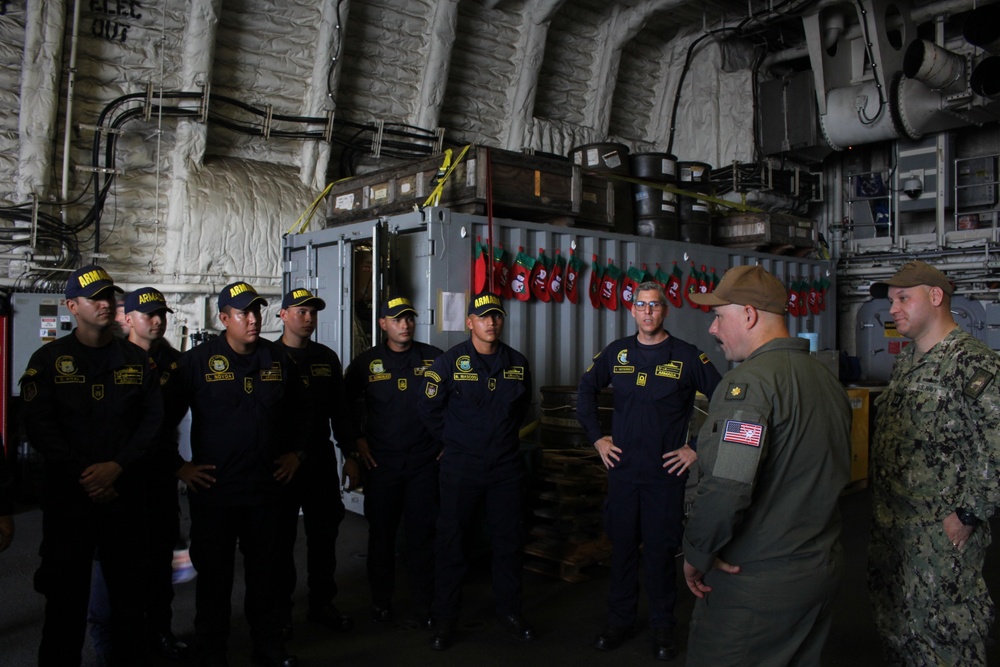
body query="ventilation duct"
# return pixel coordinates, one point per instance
(936, 67)
(919, 110)
(985, 79)
(858, 114)
(982, 28)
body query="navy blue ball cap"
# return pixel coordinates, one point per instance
(146, 300)
(89, 282)
(300, 297)
(396, 306)
(239, 295)
(486, 302)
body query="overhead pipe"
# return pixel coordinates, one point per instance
(70, 97)
(833, 28)
(982, 28)
(918, 14)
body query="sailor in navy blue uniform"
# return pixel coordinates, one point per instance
(315, 488)
(654, 377)
(146, 316)
(247, 408)
(401, 457)
(92, 408)
(476, 396)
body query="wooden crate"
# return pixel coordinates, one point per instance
(604, 203)
(526, 187)
(764, 230)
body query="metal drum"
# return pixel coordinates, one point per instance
(655, 209)
(695, 217)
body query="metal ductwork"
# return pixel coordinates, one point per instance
(858, 114)
(982, 28)
(919, 110)
(934, 66)
(908, 93)
(985, 79)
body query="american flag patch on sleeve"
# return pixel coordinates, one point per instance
(744, 433)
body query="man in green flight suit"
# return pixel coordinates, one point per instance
(762, 545)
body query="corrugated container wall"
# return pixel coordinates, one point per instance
(428, 256)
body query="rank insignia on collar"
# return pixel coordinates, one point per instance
(737, 391)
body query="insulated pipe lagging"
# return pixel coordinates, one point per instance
(935, 67)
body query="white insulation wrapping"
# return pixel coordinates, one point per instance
(195, 203)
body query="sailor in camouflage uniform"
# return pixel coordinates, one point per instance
(934, 481)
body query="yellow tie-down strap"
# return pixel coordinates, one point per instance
(444, 173)
(739, 206)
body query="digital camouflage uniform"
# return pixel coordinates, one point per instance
(935, 450)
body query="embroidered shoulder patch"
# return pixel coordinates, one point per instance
(743, 433)
(978, 384)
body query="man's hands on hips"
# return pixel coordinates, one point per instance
(609, 453)
(680, 459)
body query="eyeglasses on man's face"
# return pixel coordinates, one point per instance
(648, 305)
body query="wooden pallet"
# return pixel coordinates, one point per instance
(566, 561)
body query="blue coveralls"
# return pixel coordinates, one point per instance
(85, 405)
(405, 481)
(246, 411)
(654, 388)
(475, 404)
(316, 485)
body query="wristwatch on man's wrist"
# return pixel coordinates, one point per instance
(966, 517)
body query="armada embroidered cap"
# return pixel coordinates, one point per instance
(747, 286)
(239, 295)
(396, 306)
(486, 302)
(145, 300)
(300, 297)
(912, 274)
(90, 281)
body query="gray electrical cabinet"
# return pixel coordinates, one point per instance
(36, 318)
